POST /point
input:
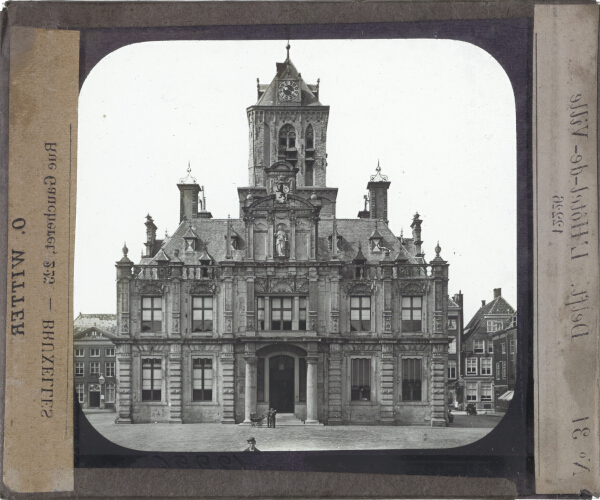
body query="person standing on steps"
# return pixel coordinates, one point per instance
(269, 417)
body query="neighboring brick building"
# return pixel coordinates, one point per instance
(455, 333)
(478, 361)
(94, 356)
(505, 362)
(333, 321)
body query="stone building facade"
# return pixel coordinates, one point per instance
(336, 321)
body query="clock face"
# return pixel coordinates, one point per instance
(288, 90)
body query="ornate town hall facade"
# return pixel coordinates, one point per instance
(333, 321)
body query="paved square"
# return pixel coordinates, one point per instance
(218, 437)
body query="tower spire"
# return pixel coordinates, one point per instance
(288, 49)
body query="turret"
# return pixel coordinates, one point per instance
(416, 232)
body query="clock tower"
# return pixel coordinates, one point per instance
(288, 124)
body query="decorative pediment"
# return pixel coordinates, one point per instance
(412, 287)
(204, 287)
(359, 287)
(150, 288)
(293, 284)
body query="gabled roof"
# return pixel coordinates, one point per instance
(106, 322)
(452, 304)
(94, 333)
(287, 69)
(497, 307)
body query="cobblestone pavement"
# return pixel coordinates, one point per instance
(218, 437)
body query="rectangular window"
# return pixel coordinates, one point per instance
(260, 380)
(411, 314)
(110, 393)
(503, 348)
(452, 324)
(151, 379)
(451, 369)
(486, 392)
(471, 391)
(490, 347)
(95, 368)
(479, 346)
(361, 379)
(281, 313)
(80, 390)
(302, 380)
(79, 353)
(360, 314)
(151, 314)
(202, 314)
(503, 370)
(79, 369)
(109, 352)
(302, 314)
(95, 353)
(203, 379)
(471, 366)
(109, 369)
(452, 347)
(411, 380)
(494, 326)
(260, 313)
(498, 370)
(486, 366)
(512, 346)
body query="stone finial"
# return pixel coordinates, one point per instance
(288, 47)
(125, 250)
(378, 177)
(416, 216)
(438, 249)
(188, 177)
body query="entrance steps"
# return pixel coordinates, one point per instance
(289, 419)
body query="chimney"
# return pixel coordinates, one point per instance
(150, 235)
(482, 303)
(378, 195)
(416, 232)
(188, 206)
(201, 212)
(497, 292)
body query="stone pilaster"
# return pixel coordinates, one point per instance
(313, 300)
(228, 384)
(439, 401)
(176, 308)
(386, 415)
(227, 299)
(270, 229)
(250, 312)
(124, 384)
(175, 384)
(292, 236)
(335, 384)
(334, 326)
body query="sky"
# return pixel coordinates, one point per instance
(438, 115)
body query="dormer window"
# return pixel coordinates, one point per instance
(376, 240)
(190, 239)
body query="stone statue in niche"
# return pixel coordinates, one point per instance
(280, 240)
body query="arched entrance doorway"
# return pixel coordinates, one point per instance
(281, 383)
